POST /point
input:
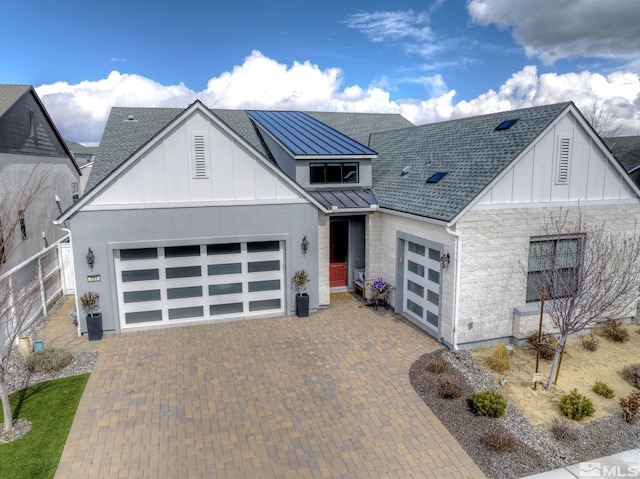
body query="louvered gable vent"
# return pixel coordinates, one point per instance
(563, 160)
(200, 160)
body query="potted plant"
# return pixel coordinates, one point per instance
(90, 301)
(299, 281)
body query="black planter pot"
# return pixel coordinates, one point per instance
(302, 305)
(94, 326)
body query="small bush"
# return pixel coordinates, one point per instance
(613, 330)
(563, 431)
(487, 403)
(48, 360)
(630, 406)
(499, 359)
(449, 389)
(576, 406)
(548, 343)
(603, 389)
(437, 366)
(590, 342)
(631, 373)
(501, 440)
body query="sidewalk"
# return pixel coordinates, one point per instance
(624, 464)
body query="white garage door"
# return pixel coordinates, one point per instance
(176, 284)
(422, 284)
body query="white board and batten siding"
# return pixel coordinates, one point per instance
(197, 162)
(566, 165)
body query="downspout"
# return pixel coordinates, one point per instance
(74, 276)
(456, 293)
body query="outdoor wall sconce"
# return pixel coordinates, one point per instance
(444, 260)
(91, 258)
(305, 245)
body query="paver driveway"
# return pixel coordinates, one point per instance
(321, 397)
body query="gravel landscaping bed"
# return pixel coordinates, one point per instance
(537, 450)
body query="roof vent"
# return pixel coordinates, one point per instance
(505, 125)
(437, 176)
(130, 118)
(405, 171)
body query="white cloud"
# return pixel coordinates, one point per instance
(391, 26)
(552, 29)
(81, 110)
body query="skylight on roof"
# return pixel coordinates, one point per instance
(437, 176)
(505, 125)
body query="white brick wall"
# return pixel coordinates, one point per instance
(494, 260)
(323, 259)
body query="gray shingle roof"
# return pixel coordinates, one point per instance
(468, 149)
(122, 137)
(9, 94)
(626, 149)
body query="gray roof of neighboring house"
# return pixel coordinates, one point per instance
(470, 150)
(9, 94)
(81, 149)
(122, 137)
(626, 149)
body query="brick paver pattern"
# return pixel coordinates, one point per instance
(326, 396)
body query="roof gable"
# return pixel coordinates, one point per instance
(470, 150)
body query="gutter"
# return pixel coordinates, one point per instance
(456, 293)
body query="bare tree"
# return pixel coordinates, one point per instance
(589, 275)
(18, 293)
(602, 119)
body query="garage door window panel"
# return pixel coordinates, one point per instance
(140, 275)
(264, 305)
(142, 296)
(263, 266)
(181, 251)
(186, 292)
(138, 254)
(143, 317)
(184, 313)
(220, 269)
(184, 272)
(220, 289)
(263, 246)
(268, 285)
(226, 308)
(415, 268)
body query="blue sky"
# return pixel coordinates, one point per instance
(428, 60)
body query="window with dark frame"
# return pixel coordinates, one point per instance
(23, 226)
(553, 263)
(324, 173)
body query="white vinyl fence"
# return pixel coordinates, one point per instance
(34, 285)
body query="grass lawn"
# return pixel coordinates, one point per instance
(50, 407)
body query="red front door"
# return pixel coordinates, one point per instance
(338, 239)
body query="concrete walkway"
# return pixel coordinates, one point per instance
(321, 397)
(625, 464)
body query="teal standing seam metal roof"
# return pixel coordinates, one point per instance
(470, 150)
(303, 135)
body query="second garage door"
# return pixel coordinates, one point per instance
(175, 284)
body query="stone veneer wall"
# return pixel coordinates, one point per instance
(324, 294)
(494, 260)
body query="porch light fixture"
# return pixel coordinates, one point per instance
(444, 260)
(91, 259)
(305, 245)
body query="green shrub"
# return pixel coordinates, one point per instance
(631, 373)
(603, 389)
(437, 366)
(449, 388)
(590, 342)
(613, 330)
(499, 359)
(502, 441)
(487, 403)
(576, 406)
(562, 430)
(48, 360)
(548, 343)
(630, 406)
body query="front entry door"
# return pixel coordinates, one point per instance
(338, 251)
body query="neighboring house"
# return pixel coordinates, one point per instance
(204, 215)
(28, 140)
(84, 156)
(627, 150)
